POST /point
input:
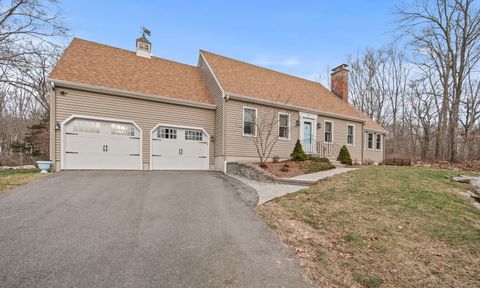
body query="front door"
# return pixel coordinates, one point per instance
(307, 137)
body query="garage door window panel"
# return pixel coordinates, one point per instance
(166, 133)
(85, 126)
(193, 135)
(122, 129)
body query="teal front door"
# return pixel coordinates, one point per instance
(307, 137)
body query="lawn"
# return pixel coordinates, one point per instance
(11, 178)
(382, 227)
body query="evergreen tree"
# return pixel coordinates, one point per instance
(344, 156)
(298, 154)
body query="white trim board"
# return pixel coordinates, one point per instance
(122, 93)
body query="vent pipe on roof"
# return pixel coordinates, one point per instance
(339, 82)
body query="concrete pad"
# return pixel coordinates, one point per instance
(267, 190)
(314, 177)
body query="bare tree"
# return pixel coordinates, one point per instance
(31, 38)
(266, 128)
(446, 35)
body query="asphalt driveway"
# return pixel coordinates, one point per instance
(138, 229)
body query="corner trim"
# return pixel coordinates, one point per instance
(124, 93)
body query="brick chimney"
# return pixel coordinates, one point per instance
(339, 82)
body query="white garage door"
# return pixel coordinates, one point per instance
(175, 148)
(95, 144)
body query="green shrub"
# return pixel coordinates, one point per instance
(344, 156)
(313, 166)
(298, 154)
(318, 159)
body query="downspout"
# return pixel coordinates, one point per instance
(225, 100)
(363, 139)
(53, 131)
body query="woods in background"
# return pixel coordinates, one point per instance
(425, 91)
(31, 33)
(424, 88)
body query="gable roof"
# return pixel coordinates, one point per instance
(100, 65)
(241, 78)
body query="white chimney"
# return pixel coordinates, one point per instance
(144, 47)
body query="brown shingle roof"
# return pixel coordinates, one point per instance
(105, 66)
(245, 79)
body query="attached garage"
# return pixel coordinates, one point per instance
(100, 144)
(179, 148)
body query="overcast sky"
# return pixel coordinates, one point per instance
(296, 37)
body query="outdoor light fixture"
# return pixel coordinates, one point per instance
(212, 138)
(319, 125)
(297, 123)
(57, 125)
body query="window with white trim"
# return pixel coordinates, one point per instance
(350, 134)
(328, 132)
(85, 126)
(122, 129)
(370, 141)
(283, 126)
(167, 133)
(249, 121)
(194, 135)
(378, 142)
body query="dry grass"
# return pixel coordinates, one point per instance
(382, 227)
(10, 179)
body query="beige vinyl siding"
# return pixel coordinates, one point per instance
(216, 93)
(340, 135)
(146, 114)
(238, 145)
(373, 155)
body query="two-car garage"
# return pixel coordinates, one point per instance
(92, 143)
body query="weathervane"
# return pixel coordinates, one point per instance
(145, 31)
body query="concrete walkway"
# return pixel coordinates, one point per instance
(314, 177)
(268, 191)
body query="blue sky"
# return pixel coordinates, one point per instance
(296, 37)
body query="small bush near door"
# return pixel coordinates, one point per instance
(344, 156)
(298, 154)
